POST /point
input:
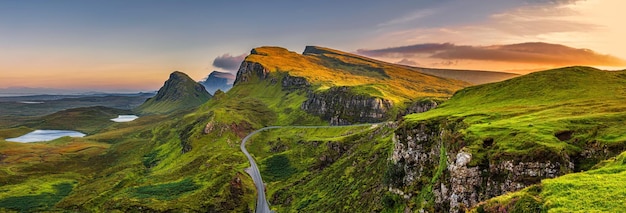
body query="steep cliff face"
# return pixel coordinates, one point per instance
(420, 106)
(342, 107)
(437, 173)
(249, 69)
(338, 105)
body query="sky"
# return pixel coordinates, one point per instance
(122, 45)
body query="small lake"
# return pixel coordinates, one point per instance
(45, 135)
(125, 118)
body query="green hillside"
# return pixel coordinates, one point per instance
(190, 160)
(557, 122)
(324, 68)
(179, 92)
(562, 112)
(598, 190)
(177, 162)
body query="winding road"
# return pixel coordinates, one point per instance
(262, 206)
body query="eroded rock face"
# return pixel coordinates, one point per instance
(420, 150)
(338, 105)
(342, 107)
(420, 106)
(291, 83)
(249, 69)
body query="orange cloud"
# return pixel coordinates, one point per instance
(530, 53)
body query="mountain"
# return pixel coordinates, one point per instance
(179, 92)
(37, 91)
(471, 76)
(192, 162)
(347, 88)
(437, 144)
(218, 80)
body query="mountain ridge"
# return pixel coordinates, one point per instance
(218, 80)
(179, 92)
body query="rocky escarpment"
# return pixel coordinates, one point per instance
(436, 169)
(419, 107)
(342, 107)
(338, 105)
(247, 70)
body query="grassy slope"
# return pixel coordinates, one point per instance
(324, 170)
(327, 67)
(179, 92)
(168, 163)
(146, 167)
(522, 115)
(598, 190)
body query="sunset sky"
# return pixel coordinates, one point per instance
(134, 45)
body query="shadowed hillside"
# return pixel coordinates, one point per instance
(471, 76)
(87, 119)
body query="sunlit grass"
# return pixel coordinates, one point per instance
(375, 78)
(322, 169)
(598, 190)
(525, 113)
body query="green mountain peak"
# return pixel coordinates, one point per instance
(179, 92)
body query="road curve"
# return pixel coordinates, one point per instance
(262, 206)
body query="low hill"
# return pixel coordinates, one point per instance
(500, 137)
(218, 80)
(179, 92)
(16, 110)
(85, 119)
(471, 76)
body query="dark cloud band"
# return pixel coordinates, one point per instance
(228, 62)
(535, 52)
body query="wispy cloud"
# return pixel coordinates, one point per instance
(531, 53)
(582, 23)
(416, 15)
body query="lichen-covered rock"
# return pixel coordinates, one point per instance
(432, 155)
(249, 69)
(341, 106)
(420, 106)
(292, 83)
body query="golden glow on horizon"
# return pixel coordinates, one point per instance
(609, 15)
(99, 67)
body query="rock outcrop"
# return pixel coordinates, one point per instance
(291, 83)
(249, 69)
(432, 155)
(420, 106)
(338, 105)
(342, 107)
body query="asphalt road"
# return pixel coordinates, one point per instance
(262, 206)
